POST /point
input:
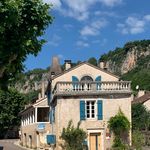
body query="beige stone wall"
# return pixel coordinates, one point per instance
(31, 130)
(69, 108)
(84, 70)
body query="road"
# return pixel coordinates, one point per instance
(8, 144)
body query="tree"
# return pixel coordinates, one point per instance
(137, 139)
(22, 24)
(92, 61)
(140, 117)
(73, 137)
(11, 103)
(120, 126)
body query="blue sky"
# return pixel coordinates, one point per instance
(89, 28)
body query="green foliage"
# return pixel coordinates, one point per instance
(31, 96)
(11, 103)
(137, 139)
(140, 75)
(73, 137)
(92, 61)
(118, 144)
(140, 117)
(120, 126)
(22, 23)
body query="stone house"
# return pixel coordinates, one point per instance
(88, 94)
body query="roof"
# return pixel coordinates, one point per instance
(82, 63)
(142, 99)
(32, 105)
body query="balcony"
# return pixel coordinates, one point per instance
(88, 88)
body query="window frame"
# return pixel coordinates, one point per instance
(90, 109)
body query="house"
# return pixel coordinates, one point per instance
(35, 122)
(143, 98)
(88, 94)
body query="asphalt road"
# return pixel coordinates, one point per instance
(8, 144)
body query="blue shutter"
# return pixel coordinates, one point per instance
(54, 114)
(82, 110)
(100, 109)
(74, 79)
(98, 85)
(51, 139)
(50, 116)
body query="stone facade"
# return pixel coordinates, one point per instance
(101, 94)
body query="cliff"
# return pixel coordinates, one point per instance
(132, 62)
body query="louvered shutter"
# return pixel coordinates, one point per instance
(82, 110)
(98, 85)
(100, 110)
(75, 79)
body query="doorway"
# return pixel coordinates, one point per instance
(95, 141)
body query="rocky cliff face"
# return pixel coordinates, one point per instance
(123, 60)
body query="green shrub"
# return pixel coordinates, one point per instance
(73, 137)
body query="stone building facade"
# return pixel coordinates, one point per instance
(87, 94)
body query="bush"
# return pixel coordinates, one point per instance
(137, 139)
(120, 126)
(73, 137)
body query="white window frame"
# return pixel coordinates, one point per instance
(90, 109)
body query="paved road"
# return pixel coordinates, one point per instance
(8, 144)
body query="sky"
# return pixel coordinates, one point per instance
(89, 28)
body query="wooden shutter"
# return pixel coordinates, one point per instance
(82, 110)
(75, 79)
(100, 109)
(98, 85)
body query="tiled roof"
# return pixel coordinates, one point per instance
(142, 99)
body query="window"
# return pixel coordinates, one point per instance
(90, 109)
(42, 114)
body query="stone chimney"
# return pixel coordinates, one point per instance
(55, 67)
(67, 64)
(39, 96)
(101, 64)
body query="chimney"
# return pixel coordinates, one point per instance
(39, 96)
(52, 74)
(43, 89)
(101, 64)
(67, 64)
(55, 67)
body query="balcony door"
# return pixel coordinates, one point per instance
(95, 141)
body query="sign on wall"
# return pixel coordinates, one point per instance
(41, 126)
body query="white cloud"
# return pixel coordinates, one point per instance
(56, 3)
(111, 3)
(94, 28)
(79, 9)
(55, 40)
(82, 44)
(134, 25)
(147, 17)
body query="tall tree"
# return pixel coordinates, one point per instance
(93, 61)
(22, 23)
(140, 117)
(11, 103)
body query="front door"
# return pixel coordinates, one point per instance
(95, 141)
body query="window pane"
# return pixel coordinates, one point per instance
(93, 116)
(42, 114)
